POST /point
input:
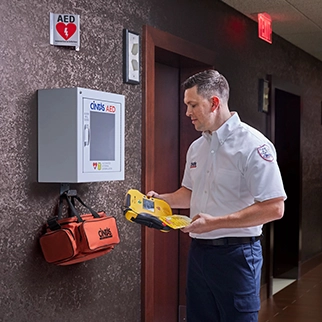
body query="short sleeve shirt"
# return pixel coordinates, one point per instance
(228, 170)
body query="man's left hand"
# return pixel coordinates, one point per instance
(201, 223)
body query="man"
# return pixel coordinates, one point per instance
(233, 186)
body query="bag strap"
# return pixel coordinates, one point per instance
(53, 223)
(62, 197)
(92, 211)
(72, 209)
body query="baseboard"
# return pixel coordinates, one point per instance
(309, 264)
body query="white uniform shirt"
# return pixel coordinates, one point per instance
(229, 170)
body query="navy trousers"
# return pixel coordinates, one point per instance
(224, 282)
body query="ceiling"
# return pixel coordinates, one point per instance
(297, 21)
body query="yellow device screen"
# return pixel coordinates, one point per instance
(151, 212)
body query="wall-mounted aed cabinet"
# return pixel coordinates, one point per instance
(80, 135)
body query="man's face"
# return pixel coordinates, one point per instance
(199, 109)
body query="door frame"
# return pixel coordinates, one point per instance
(154, 39)
(286, 86)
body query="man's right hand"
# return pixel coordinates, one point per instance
(153, 194)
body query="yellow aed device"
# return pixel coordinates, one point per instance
(152, 212)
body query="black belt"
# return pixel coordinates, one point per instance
(227, 241)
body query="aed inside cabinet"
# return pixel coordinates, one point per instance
(80, 135)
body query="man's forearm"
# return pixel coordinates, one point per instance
(180, 199)
(258, 214)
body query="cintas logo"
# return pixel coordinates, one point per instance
(105, 233)
(193, 165)
(102, 108)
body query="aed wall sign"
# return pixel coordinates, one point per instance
(64, 30)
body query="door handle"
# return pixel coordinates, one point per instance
(87, 135)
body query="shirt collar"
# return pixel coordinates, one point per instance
(225, 130)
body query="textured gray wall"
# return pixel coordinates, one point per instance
(108, 288)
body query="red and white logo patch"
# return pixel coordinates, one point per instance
(66, 30)
(265, 153)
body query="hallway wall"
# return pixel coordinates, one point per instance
(108, 288)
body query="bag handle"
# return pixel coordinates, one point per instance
(72, 209)
(92, 211)
(53, 223)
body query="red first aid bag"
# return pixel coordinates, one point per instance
(78, 238)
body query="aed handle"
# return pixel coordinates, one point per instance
(127, 200)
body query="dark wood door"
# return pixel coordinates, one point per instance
(284, 125)
(172, 137)
(167, 133)
(166, 176)
(287, 142)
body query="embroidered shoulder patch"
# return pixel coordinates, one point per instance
(265, 153)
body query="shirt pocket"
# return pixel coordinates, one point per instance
(227, 184)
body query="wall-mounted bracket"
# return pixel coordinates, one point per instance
(64, 187)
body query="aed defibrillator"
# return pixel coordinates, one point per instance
(151, 212)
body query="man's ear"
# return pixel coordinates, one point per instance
(214, 103)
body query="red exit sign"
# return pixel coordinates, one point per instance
(265, 27)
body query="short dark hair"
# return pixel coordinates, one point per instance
(209, 82)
